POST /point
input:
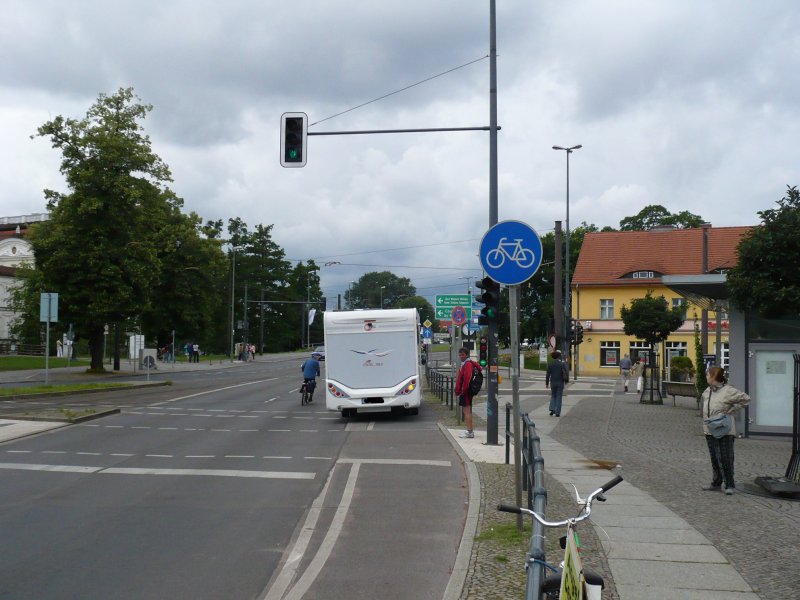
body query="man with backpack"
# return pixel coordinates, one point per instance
(470, 376)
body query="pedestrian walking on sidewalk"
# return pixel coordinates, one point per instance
(719, 398)
(462, 390)
(625, 370)
(637, 372)
(556, 378)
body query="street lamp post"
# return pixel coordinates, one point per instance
(233, 282)
(383, 287)
(308, 305)
(567, 295)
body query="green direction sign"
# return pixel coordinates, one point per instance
(445, 303)
(453, 300)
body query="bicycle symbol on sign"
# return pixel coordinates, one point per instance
(513, 251)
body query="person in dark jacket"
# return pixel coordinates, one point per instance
(556, 378)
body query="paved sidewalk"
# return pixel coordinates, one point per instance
(669, 540)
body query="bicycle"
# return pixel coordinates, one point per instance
(524, 257)
(571, 581)
(307, 391)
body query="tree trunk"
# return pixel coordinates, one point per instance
(96, 349)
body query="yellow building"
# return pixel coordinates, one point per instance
(616, 267)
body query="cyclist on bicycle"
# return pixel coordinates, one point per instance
(310, 368)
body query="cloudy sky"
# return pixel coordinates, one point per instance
(692, 104)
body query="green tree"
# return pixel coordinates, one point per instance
(188, 297)
(656, 215)
(762, 281)
(371, 287)
(423, 307)
(99, 250)
(651, 319)
(537, 294)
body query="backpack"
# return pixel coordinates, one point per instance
(476, 381)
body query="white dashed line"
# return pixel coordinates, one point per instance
(237, 456)
(89, 453)
(159, 455)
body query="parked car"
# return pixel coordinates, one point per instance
(525, 345)
(321, 351)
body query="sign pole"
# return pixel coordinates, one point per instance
(513, 301)
(47, 341)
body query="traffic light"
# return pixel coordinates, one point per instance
(491, 300)
(571, 331)
(483, 352)
(578, 333)
(294, 134)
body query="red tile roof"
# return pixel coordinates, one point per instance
(606, 257)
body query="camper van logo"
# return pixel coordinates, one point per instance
(369, 325)
(376, 353)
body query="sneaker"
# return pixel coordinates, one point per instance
(466, 434)
(729, 491)
(712, 488)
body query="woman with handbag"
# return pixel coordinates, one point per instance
(720, 403)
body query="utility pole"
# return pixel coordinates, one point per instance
(491, 389)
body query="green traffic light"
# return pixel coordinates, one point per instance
(292, 153)
(482, 362)
(490, 312)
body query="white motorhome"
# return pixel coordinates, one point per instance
(372, 359)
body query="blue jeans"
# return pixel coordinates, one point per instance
(555, 398)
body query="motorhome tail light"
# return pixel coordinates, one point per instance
(336, 391)
(410, 387)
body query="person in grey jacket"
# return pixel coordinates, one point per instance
(720, 398)
(556, 378)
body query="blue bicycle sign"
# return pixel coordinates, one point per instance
(511, 252)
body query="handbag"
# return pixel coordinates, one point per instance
(719, 425)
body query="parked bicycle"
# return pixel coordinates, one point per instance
(571, 581)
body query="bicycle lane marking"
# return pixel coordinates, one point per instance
(278, 590)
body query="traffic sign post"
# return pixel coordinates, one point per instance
(510, 252)
(445, 303)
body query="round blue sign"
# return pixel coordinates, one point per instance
(511, 252)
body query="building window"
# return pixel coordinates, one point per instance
(607, 309)
(643, 275)
(680, 302)
(609, 354)
(724, 355)
(640, 350)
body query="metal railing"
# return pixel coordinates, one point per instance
(440, 383)
(533, 483)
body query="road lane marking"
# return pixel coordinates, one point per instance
(54, 468)
(229, 387)
(395, 461)
(213, 473)
(141, 471)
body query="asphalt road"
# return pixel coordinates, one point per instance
(223, 486)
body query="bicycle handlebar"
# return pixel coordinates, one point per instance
(586, 506)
